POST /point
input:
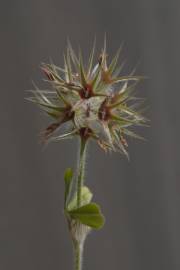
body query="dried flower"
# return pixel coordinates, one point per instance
(93, 102)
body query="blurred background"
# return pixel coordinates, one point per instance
(140, 198)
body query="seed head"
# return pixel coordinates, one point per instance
(93, 101)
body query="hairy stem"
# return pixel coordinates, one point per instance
(78, 244)
(78, 250)
(81, 169)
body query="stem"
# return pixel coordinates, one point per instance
(78, 250)
(76, 229)
(81, 169)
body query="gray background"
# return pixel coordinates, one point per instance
(140, 199)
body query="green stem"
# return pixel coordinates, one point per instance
(78, 249)
(81, 170)
(79, 243)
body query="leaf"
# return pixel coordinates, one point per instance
(89, 214)
(68, 184)
(86, 197)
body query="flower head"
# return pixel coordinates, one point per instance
(92, 101)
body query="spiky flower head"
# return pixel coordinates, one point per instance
(90, 101)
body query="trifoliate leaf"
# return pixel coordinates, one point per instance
(86, 197)
(89, 214)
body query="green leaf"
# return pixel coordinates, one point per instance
(68, 184)
(86, 197)
(89, 214)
